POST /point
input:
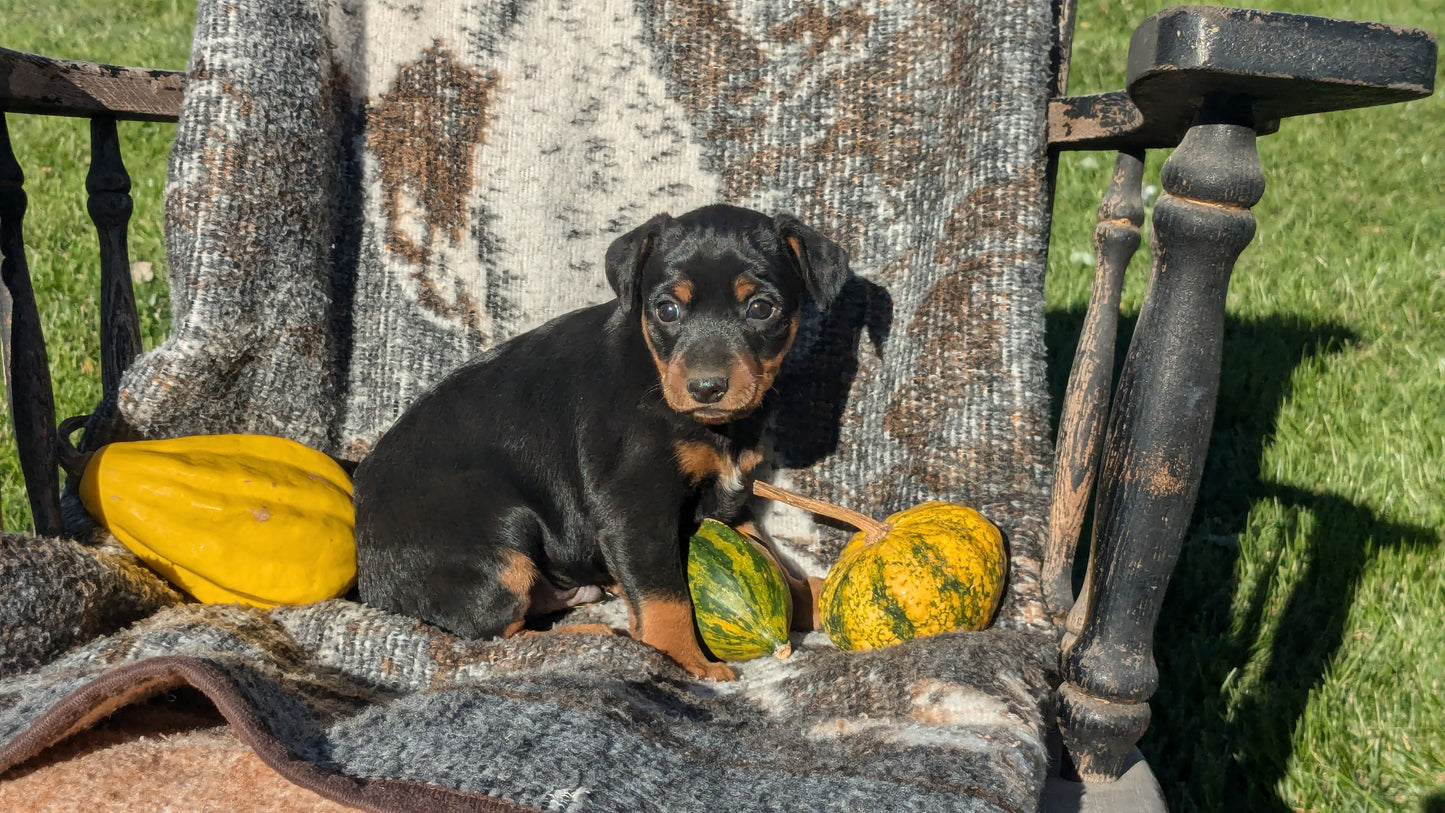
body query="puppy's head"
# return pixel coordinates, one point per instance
(717, 294)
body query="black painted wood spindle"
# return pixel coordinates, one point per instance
(1158, 434)
(1086, 400)
(110, 207)
(27, 368)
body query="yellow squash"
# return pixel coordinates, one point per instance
(252, 519)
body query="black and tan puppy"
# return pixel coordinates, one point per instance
(580, 455)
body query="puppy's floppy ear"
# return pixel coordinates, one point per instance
(625, 258)
(823, 263)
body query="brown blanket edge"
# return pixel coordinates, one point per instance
(138, 682)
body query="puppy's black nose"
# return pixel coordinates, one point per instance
(708, 390)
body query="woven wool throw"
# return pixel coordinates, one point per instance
(366, 193)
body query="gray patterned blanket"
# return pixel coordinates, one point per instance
(365, 193)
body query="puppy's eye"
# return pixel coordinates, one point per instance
(760, 309)
(667, 311)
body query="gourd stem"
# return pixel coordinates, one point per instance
(872, 529)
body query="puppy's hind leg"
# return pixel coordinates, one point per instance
(517, 577)
(548, 599)
(479, 599)
(534, 595)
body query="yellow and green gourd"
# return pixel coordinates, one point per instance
(936, 567)
(939, 567)
(739, 598)
(249, 519)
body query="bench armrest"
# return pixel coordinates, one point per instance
(1284, 64)
(30, 83)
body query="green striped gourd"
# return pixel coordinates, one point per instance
(739, 598)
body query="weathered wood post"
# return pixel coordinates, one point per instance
(1158, 434)
(1086, 400)
(27, 368)
(110, 206)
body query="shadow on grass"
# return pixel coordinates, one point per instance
(1206, 754)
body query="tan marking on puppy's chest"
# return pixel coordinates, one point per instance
(701, 461)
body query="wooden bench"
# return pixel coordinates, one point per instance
(1208, 81)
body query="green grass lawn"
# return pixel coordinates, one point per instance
(1302, 643)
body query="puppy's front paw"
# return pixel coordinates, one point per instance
(692, 659)
(711, 670)
(667, 625)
